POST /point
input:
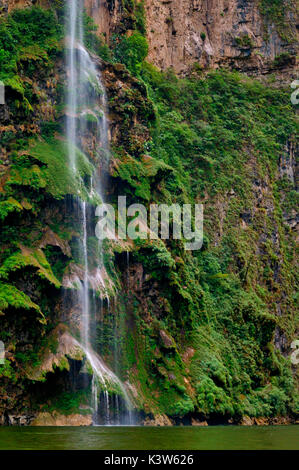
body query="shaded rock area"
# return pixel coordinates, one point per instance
(278, 421)
(158, 420)
(16, 420)
(65, 348)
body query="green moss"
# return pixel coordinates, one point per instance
(283, 59)
(29, 257)
(140, 174)
(181, 408)
(210, 131)
(201, 140)
(68, 403)
(244, 42)
(140, 16)
(132, 51)
(29, 39)
(215, 138)
(10, 296)
(60, 180)
(6, 370)
(212, 399)
(21, 176)
(8, 206)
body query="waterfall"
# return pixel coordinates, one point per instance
(86, 97)
(85, 300)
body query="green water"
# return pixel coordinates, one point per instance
(147, 438)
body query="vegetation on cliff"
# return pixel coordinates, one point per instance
(223, 134)
(204, 333)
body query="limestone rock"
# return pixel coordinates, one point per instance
(261, 421)
(247, 421)
(181, 32)
(66, 347)
(167, 341)
(56, 419)
(212, 33)
(158, 420)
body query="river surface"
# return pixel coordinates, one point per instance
(150, 438)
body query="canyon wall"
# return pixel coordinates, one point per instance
(6, 6)
(245, 34)
(248, 35)
(200, 336)
(213, 33)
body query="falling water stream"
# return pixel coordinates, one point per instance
(86, 97)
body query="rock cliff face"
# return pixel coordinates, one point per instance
(218, 323)
(214, 33)
(9, 5)
(246, 34)
(106, 14)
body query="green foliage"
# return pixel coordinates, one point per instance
(244, 42)
(209, 130)
(32, 176)
(132, 51)
(58, 177)
(276, 11)
(283, 59)
(181, 408)
(6, 370)
(29, 39)
(155, 257)
(35, 26)
(10, 296)
(49, 128)
(56, 260)
(140, 174)
(205, 125)
(93, 42)
(132, 16)
(29, 357)
(213, 399)
(68, 402)
(28, 257)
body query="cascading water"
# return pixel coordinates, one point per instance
(86, 98)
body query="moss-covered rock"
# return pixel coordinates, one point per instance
(202, 335)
